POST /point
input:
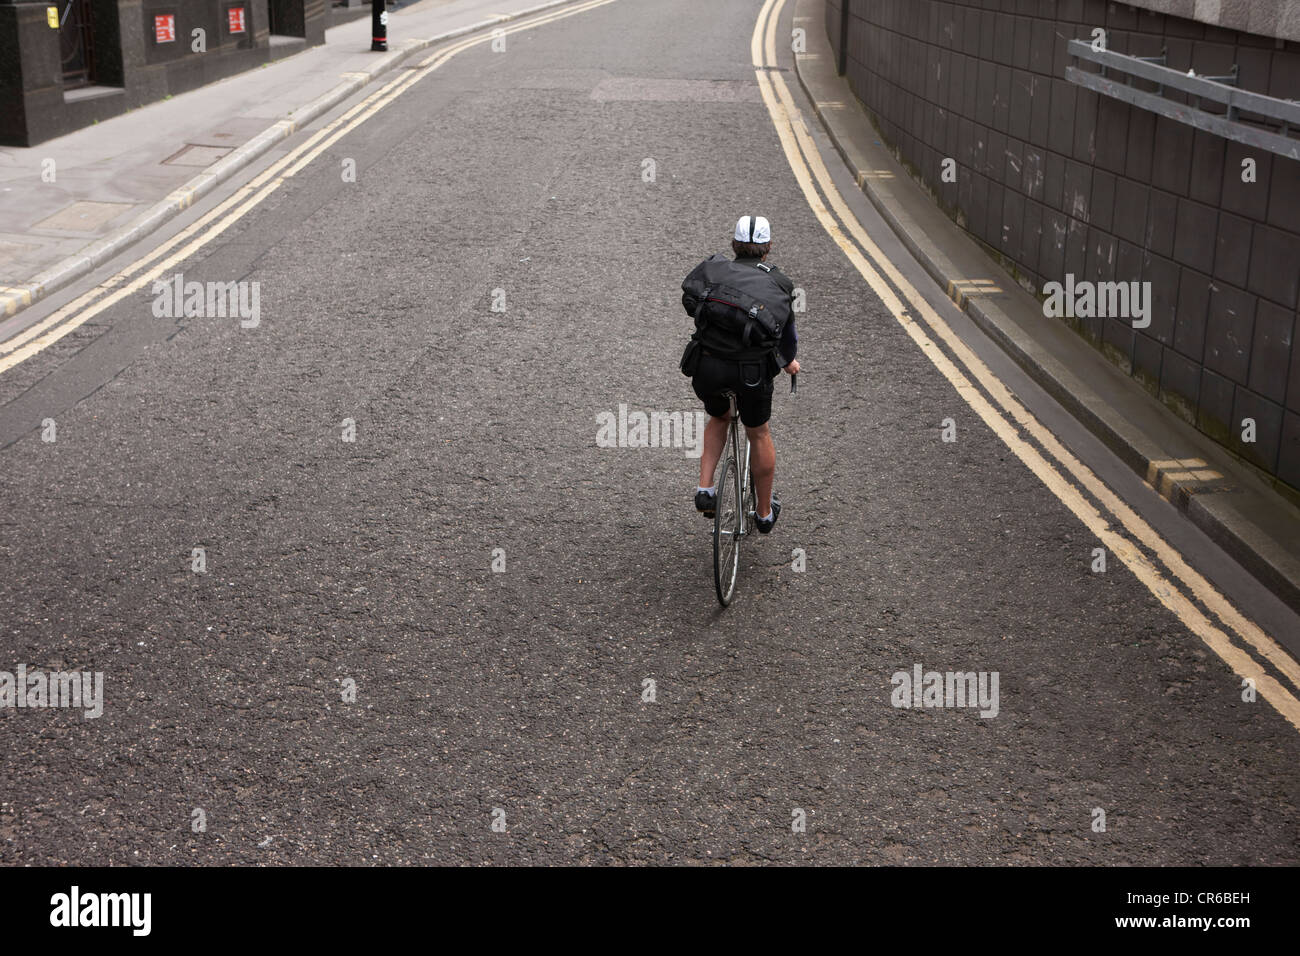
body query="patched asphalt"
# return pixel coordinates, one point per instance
(370, 561)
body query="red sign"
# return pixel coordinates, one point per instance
(164, 28)
(235, 17)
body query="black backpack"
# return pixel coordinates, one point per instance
(740, 309)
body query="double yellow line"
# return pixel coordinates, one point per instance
(165, 257)
(1100, 510)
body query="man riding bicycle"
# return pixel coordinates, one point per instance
(744, 335)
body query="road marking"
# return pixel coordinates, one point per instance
(1200, 588)
(22, 296)
(959, 290)
(1175, 469)
(31, 341)
(865, 174)
(805, 162)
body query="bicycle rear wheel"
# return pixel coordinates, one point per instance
(727, 523)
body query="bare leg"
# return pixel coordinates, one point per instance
(715, 437)
(762, 462)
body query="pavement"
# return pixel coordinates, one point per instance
(1236, 505)
(75, 202)
(473, 633)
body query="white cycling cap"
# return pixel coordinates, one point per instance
(754, 229)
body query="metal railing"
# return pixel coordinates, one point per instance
(1284, 114)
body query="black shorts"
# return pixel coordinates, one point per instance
(749, 380)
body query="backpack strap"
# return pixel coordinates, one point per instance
(750, 322)
(704, 299)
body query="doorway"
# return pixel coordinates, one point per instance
(76, 42)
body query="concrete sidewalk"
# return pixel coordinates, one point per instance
(71, 204)
(1224, 497)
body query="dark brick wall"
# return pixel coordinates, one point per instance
(1053, 178)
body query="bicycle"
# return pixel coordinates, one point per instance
(732, 521)
(736, 513)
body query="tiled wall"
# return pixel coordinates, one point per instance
(1056, 179)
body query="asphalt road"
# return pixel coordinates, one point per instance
(370, 561)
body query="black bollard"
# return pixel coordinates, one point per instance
(378, 26)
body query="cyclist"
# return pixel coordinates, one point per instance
(744, 335)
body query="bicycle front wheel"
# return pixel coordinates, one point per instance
(727, 522)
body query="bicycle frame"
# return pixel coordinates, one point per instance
(730, 530)
(747, 479)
